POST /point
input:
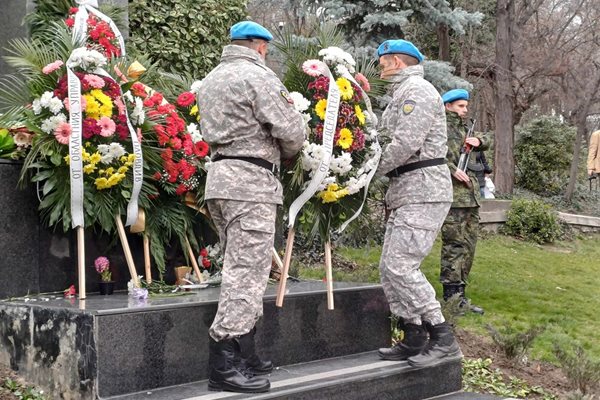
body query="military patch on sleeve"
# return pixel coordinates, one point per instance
(286, 96)
(408, 106)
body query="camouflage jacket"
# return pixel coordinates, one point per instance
(246, 111)
(415, 122)
(464, 196)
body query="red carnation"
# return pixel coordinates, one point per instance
(186, 99)
(157, 176)
(70, 22)
(205, 262)
(204, 252)
(73, 10)
(138, 90)
(181, 189)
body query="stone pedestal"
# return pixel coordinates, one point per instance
(113, 345)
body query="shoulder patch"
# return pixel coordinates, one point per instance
(286, 96)
(408, 106)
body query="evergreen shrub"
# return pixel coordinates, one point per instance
(183, 36)
(543, 153)
(532, 220)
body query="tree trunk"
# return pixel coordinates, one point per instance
(443, 37)
(504, 136)
(581, 133)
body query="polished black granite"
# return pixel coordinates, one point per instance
(141, 345)
(354, 377)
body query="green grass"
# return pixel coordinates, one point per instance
(518, 284)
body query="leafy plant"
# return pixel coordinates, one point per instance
(183, 36)
(532, 220)
(22, 392)
(480, 378)
(513, 343)
(582, 371)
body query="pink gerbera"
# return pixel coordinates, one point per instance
(363, 81)
(314, 67)
(50, 68)
(107, 126)
(94, 81)
(62, 133)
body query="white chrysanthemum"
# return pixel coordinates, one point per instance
(116, 149)
(300, 102)
(46, 99)
(196, 87)
(138, 115)
(50, 124)
(342, 70)
(326, 182)
(334, 55)
(193, 128)
(55, 105)
(341, 165)
(86, 59)
(354, 185)
(128, 96)
(306, 117)
(36, 106)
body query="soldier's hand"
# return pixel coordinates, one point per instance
(462, 176)
(473, 141)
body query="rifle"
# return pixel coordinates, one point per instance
(465, 150)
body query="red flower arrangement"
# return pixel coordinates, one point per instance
(99, 32)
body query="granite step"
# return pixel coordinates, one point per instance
(358, 376)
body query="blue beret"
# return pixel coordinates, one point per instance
(249, 30)
(399, 46)
(455, 94)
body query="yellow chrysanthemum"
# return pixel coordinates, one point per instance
(101, 97)
(122, 170)
(88, 144)
(113, 180)
(85, 156)
(320, 108)
(109, 171)
(345, 86)
(333, 193)
(131, 157)
(101, 183)
(95, 158)
(67, 159)
(123, 159)
(92, 107)
(359, 114)
(106, 111)
(194, 110)
(89, 168)
(346, 139)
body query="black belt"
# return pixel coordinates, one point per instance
(252, 160)
(416, 165)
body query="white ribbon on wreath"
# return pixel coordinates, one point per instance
(331, 117)
(75, 120)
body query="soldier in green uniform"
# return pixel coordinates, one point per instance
(459, 232)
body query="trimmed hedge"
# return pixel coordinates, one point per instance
(183, 36)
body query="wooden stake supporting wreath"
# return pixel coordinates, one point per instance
(140, 227)
(193, 260)
(81, 261)
(329, 274)
(127, 251)
(287, 258)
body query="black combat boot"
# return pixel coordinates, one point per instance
(225, 376)
(441, 346)
(413, 342)
(472, 307)
(248, 360)
(451, 290)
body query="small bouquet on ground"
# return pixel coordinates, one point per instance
(211, 258)
(102, 266)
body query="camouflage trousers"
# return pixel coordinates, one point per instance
(459, 238)
(409, 236)
(246, 232)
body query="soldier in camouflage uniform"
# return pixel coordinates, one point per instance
(459, 232)
(250, 123)
(419, 196)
